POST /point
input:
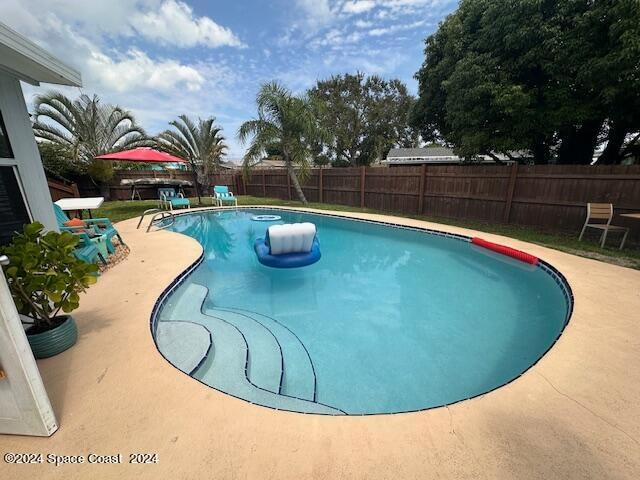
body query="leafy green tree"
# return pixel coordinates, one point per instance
(85, 127)
(285, 124)
(366, 116)
(553, 78)
(612, 75)
(200, 143)
(82, 129)
(59, 160)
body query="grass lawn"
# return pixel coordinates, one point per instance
(629, 257)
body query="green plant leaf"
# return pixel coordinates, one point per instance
(44, 275)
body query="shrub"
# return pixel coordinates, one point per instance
(44, 276)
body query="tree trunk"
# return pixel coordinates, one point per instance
(615, 139)
(296, 183)
(494, 157)
(578, 144)
(629, 146)
(105, 191)
(195, 184)
(566, 150)
(540, 151)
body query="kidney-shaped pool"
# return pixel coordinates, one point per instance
(391, 319)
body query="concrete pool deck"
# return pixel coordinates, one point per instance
(575, 414)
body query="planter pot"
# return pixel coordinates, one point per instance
(58, 339)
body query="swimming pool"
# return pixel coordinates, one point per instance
(389, 320)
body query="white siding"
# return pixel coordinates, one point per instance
(25, 151)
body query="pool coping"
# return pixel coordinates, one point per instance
(549, 269)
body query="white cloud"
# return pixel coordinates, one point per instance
(175, 24)
(337, 38)
(169, 22)
(114, 71)
(316, 12)
(409, 7)
(155, 88)
(363, 24)
(135, 70)
(377, 32)
(110, 42)
(358, 6)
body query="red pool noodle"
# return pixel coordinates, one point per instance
(510, 252)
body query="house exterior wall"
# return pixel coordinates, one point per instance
(26, 157)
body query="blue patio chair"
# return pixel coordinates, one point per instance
(170, 199)
(221, 194)
(87, 251)
(102, 226)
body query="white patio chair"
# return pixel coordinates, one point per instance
(603, 212)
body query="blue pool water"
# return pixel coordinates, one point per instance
(389, 320)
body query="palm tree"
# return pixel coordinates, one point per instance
(85, 126)
(201, 144)
(284, 121)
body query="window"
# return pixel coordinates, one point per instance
(5, 146)
(13, 212)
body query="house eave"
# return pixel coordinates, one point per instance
(23, 59)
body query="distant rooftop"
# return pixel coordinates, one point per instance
(426, 152)
(430, 155)
(435, 155)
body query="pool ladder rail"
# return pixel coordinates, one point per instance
(157, 219)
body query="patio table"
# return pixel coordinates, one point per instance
(635, 216)
(80, 204)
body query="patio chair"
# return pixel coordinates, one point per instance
(603, 213)
(101, 226)
(170, 199)
(87, 251)
(222, 194)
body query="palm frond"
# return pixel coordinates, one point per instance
(86, 126)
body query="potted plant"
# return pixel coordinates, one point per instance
(45, 279)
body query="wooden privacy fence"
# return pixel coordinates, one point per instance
(123, 192)
(551, 197)
(60, 190)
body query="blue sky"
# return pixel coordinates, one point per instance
(161, 58)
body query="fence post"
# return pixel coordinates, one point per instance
(423, 173)
(320, 186)
(363, 175)
(264, 184)
(74, 189)
(513, 175)
(288, 185)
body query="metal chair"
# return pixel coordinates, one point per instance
(221, 194)
(604, 213)
(169, 199)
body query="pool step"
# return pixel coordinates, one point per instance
(184, 344)
(264, 363)
(299, 378)
(226, 369)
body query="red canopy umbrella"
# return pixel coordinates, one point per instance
(142, 154)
